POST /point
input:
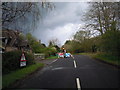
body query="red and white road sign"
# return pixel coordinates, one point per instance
(23, 60)
(23, 57)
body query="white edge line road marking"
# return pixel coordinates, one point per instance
(78, 83)
(54, 61)
(74, 64)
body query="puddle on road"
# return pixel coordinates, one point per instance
(51, 68)
(58, 68)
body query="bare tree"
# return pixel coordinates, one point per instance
(53, 42)
(81, 36)
(12, 11)
(101, 16)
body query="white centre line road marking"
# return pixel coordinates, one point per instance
(78, 83)
(74, 64)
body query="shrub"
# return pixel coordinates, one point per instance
(49, 51)
(30, 58)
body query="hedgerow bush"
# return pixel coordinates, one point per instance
(29, 58)
(11, 61)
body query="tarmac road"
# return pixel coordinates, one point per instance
(79, 72)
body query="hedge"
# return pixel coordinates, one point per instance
(11, 61)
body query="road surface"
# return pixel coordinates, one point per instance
(78, 72)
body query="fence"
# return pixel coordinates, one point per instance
(39, 56)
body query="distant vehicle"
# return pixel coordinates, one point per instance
(68, 55)
(60, 55)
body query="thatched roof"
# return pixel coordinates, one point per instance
(14, 36)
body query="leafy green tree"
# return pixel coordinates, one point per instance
(103, 17)
(57, 48)
(51, 44)
(36, 46)
(43, 45)
(30, 38)
(111, 42)
(72, 46)
(85, 42)
(49, 51)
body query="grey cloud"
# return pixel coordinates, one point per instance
(64, 14)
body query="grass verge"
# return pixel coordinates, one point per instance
(104, 57)
(19, 74)
(52, 57)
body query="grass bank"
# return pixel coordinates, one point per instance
(104, 57)
(19, 74)
(52, 57)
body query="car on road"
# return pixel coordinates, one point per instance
(68, 55)
(60, 55)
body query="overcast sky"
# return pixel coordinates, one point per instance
(62, 22)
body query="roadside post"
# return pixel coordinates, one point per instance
(64, 51)
(23, 60)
